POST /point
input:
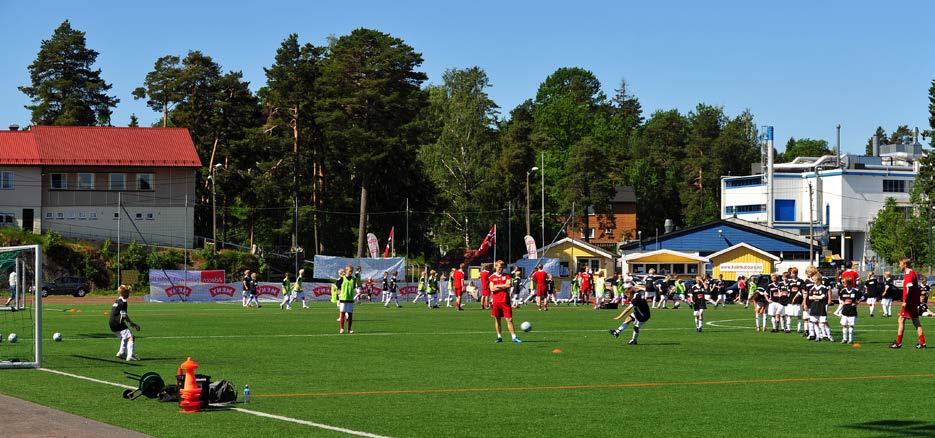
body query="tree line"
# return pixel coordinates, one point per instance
(352, 130)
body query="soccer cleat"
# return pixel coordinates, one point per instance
(350, 332)
(133, 358)
(788, 331)
(499, 340)
(844, 341)
(120, 356)
(632, 342)
(895, 345)
(517, 341)
(920, 346)
(614, 333)
(341, 332)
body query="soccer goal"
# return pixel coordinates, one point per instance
(21, 307)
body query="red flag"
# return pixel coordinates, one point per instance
(489, 240)
(389, 244)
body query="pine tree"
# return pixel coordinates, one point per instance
(66, 89)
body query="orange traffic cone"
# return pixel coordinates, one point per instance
(191, 392)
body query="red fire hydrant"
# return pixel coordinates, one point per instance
(191, 392)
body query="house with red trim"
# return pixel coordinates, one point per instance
(78, 180)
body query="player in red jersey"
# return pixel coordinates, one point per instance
(499, 286)
(457, 280)
(912, 297)
(850, 274)
(584, 277)
(542, 299)
(485, 286)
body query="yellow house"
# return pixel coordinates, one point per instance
(665, 262)
(574, 254)
(741, 259)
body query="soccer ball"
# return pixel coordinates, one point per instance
(57, 337)
(12, 338)
(526, 326)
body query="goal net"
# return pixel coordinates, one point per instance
(20, 307)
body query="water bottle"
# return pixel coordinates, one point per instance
(246, 394)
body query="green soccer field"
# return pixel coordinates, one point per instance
(420, 372)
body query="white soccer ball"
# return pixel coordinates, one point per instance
(12, 338)
(526, 326)
(57, 337)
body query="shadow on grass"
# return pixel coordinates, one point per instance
(902, 428)
(97, 336)
(113, 361)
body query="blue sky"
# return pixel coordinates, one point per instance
(802, 66)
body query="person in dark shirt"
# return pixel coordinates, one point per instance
(638, 311)
(120, 324)
(698, 298)
(245, 284)
(818, 298)
(759, 308)
(774, 295)
(797, 297)
(890, 292)
(872, 292)
(849, 296)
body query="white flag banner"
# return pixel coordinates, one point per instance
(530, 247)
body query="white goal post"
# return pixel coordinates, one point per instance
(23, 316)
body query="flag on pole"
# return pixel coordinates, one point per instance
(373, 245)
(489, 240)
(390, 244)
(530, 248)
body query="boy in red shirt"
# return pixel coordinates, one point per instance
(499, 286)
(585, 279)
(912, 297)
(485, 286)
(457, 280)
(539, 277)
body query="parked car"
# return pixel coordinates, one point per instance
(76, 286)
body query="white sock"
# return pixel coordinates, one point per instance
(757, 319)
(772, 322)
(130, 348)
(636, 334)
(788, 323)
(123, 347)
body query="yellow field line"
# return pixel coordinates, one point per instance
(594, 386)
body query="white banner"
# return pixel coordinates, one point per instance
(373, 245)
(326, 267)
(755, 268)
(530, 247)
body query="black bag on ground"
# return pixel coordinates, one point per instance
(169, 394)
(222, 391)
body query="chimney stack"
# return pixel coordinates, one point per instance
(14, 127)
(915, 135)
(876, 145)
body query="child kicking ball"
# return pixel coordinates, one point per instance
(120, 323)
(638, 311)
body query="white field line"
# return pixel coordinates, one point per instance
(241, 410)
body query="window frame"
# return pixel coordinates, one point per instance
(80, 185)
(110, 182)
(151, 182)
(63, 179)
(11, 180)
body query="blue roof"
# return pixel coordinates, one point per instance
(705, 239)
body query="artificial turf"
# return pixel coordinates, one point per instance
(420, 372)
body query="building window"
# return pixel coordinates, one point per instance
(588, 232)
(744, 209)
(144, 181)
(116, 215)
(85, 181)
(692, 269)
(7, 220)
(82, 215)
(6, 180)
(92, 215)
(48, 215)
(897, 186)
(678, 268)
(72, 215)
(60, 215)
(58, 181)
(743, 182)
(118, 181)
(609, 232)
(150, 216)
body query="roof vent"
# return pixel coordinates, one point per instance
(14, 127)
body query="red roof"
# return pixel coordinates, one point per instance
(98, 146)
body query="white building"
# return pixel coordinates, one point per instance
(846, 195)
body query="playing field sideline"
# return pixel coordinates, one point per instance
(420, 372)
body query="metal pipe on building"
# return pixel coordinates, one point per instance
(769, 176)
(837, 145)
(876, 145)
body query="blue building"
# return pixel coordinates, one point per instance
(706, 239)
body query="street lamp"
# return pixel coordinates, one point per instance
(214, 211)
(530, 171)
